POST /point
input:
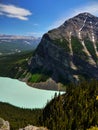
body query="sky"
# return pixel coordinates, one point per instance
(36, 17)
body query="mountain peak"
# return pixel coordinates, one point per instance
(82, 26)
(81, 19)
(85, 14)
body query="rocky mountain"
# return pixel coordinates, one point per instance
(69, 53)
(4, 36)
(10, 44)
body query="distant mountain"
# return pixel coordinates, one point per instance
(10, 44)
(69, 53)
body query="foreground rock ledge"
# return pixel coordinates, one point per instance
(4, 125)
(30, 127)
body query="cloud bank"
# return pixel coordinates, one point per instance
(13, 11)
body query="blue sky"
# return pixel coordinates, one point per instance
(35, 17)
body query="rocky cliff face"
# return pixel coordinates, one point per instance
(69, 53)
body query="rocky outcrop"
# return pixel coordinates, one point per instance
(30, 127)
(4, 125)
(81, 26)
(70, 52)
(43, 85)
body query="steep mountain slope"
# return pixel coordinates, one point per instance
(69, 53)
(10, 44)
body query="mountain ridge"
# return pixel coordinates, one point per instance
(11, 44)
(5, 36)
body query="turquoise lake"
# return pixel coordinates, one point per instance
(20, 94)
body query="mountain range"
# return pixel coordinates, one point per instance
(11, 44)
(67, 54)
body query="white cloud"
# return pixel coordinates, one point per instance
(14, 12)
(90, 8)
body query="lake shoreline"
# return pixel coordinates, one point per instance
(20, 94)
(49, 85)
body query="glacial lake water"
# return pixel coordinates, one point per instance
(20, 94)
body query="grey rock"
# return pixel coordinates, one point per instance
(30, 127)
(4, 125)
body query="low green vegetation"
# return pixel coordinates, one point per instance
(63, 43)
(19, 117)
(97, 45)
(35, 78)
(11, 64)
(16, 66)
(91, 49)
(78, 48)
(93, 128)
